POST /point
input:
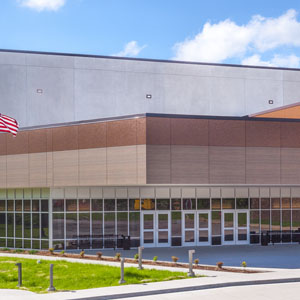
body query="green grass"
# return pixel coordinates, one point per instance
(74, 276)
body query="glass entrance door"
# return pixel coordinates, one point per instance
(204, 232)
(242, 229)
(228, 237)
(189, 229)
(163, 229)
(148, 229)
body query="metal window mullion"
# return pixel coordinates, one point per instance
(91, 231)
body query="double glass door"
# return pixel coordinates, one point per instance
(196, 228)
(156, 229)
(235, 227)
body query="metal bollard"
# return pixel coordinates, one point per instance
(19, 265)
(191, 272)
(51, 287)
(140, 249)
(122, 271)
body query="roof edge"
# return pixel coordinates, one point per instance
(147, 59)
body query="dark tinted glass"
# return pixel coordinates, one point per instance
(242, 203)
(203, 203)
(97, 204)
(254, 203)
(71, 205)
(163, 204)
(189, 203)
(134, 204)
(148, 204)
(109, 205)
(228, 203)
(45, 205)
(122, 204)
(215, 204)
(58, 205)
(84, 204)
(176, 204)
(35, 205)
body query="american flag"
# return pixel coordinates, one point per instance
(8, 124)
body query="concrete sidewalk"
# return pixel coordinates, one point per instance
(213, 280)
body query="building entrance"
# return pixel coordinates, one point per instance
(156, 228)
(235, 229)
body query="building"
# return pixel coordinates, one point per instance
(169, 153)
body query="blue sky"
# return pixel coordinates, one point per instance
(225, 31)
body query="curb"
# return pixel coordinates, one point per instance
(192, 288)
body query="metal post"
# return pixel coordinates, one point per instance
(19, 265)
(140, 267)
(191, 272)
(122, 271)
(51, 287)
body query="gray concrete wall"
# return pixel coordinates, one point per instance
(80, 88)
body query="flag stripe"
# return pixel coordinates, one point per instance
(8, 124)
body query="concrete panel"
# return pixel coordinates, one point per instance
(133, 192)
(215, 192)
(121, 193)
(57, 61)
(227, 192)
(176, 91)
(290, 165)
(162, 193)
(227, 165)
(9, 58)
(71, 193)
(17, 170)
(158, 164)
(122, 165)
(241, 192)
(227, 94)
(253, 192)
(96, 193)
(202, 192)
(189, 164)
(285, 192)
(65, 168)
(3, 174)
(291, 91)
(13, 92)
(262, 165)
(83, 193)
(188, 192)
(38, 169)
(147, 192)
(264, 192)
(141, 164)
(57, 193)
(109, 193)
(275, 192)
(259, 91)
(175, 192)
(92, 166)
(3, 144)
(295, 192)
(49, 169)
(56, 103)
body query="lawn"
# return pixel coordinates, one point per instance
(73, 276)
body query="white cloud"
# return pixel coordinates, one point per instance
(41, 5)
(226, 39)
(131, 49)
(289, 61)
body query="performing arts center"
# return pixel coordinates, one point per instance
(166, 153)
